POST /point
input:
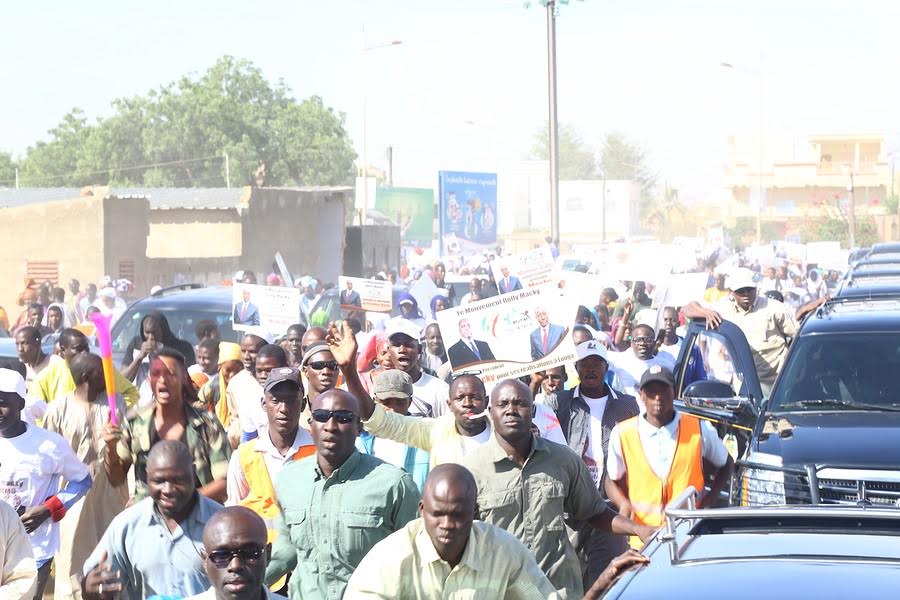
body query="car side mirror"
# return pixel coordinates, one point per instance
(709, 389)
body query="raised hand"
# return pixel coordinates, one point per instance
(342, 343)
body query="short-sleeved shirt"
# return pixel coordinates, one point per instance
(767, 326)
(659, 445)
(203, 435)
(152, 559)
(529, 502)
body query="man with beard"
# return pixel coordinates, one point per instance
(236, 533)
(526, 484)
(153, 547)
(336, 505)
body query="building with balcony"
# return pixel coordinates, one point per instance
(785, 179)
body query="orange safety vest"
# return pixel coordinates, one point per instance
(261, 498)
(647, 493)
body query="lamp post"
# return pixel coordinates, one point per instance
(554, 124)
(759, 176)
(365, 141)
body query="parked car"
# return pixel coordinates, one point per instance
(770, 552)
(828, 432)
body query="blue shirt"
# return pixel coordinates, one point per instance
(152, 559)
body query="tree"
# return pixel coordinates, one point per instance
(178, 134)
(577, 160)
(835, 226)
(7, 170)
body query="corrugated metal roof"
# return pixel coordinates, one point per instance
(19, 197)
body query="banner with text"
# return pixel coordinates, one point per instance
(510, 335)
(468, 211)
(272, 308)
(411, 208)
(530, 270)
(357, 293)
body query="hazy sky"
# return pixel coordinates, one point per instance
(468, 86)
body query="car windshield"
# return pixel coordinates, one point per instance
(840, 372)
(182, 322)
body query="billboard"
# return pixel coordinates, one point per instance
(411, 208)
(468, 211)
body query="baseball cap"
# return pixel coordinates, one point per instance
(12, 383)
(658, 373)
(405, 327)
(281, 375)
(392, 384)
(312, 350)
(590, 348)
(740, 279)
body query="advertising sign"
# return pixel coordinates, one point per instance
(411, 208)
(371, 295)
(273, 308)
(468, 211)
(510, 335)
(532, 270)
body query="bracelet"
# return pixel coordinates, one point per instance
(56, 508)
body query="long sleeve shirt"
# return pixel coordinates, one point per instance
(328, 524)
(18, 571)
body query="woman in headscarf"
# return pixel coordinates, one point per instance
(439, 303)
(154, 334)
(409, 310)
(213, 396)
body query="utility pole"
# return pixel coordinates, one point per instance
(852, 213)
(603, 238)
(554, 125)
(227, 173)
(390, 159)
(17, 177)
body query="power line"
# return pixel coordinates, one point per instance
(117, 169)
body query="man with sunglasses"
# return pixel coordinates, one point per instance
(235, 554)
(630, 364)
(320, 369)
(526, 485)
(154, 547)
(335, 506)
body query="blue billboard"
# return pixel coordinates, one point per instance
(468, 211)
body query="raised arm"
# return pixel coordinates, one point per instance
(342, 344)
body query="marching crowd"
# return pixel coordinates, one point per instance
(335, 462)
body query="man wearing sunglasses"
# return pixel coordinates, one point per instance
(630, 364)
(320, 369)
(336, 505)
(235, 554)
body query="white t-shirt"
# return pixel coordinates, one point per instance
(389, 451)
(672, 350)
(548, 424)
(629, 368)
(659, 447)
(592, 453)
(473, 443)
(32, 466)
(248, 394)
(431, 391)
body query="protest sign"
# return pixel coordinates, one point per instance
(272, 308)
(510, 335)
(365, 294)
(819, 252)
(533, 269)
(468, 211)
(423, 291)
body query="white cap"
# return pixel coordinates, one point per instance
(12, 382)
(740, 279)
(405, 327)
(260, 333)
(591, 348)
(108, 292)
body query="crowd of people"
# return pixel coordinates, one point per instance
(349, 460)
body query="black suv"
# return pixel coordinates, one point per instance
(830, 431)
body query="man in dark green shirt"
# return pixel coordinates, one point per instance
(335, 505)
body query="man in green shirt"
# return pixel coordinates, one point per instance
(335, 505)
(526, 483)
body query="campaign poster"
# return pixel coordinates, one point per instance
(272, 308)
(523, 271)
(468, 211)
(411, 208)
(358, 294)
(511, 335)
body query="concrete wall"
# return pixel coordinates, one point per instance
(194, 233)
(125, 232)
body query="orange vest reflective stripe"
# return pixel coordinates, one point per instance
(261, 498)
(647, 493)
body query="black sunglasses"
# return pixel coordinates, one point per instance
(319, 365)
(222, 558)
(341, 416)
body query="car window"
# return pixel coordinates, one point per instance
(718, 364)
(182, 322)
(847, 368)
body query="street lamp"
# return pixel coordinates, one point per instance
(759, 198)
(365, 142)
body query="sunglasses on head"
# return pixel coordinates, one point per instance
(320, 365)
(222, 558)
(341, 416)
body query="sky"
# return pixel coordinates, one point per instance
(467, 87)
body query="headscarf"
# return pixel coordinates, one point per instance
(168, 339)
(434, 302)
(407, 297)
(228, 351)
(67, 316)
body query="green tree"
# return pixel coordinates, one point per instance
(835, 226)
(177, 136)
(577, 160)
(7, 170)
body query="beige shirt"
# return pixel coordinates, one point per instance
(767, 325)
(406, 565)
(529, 502)
(18, 571)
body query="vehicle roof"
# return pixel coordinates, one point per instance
(879, 259)
(215, 298)
(869, 287)
(851, 315)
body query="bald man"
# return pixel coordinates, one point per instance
(447, 554)
(152, 548)
(335, 505)
(235, 554)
